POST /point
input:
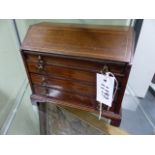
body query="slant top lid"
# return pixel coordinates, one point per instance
(100, 42)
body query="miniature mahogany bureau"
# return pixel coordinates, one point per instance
(62, 60)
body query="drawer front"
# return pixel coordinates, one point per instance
(93, 66)
(64, 85)
(79, 92)
(72, 81)
(77, 100)
(64, 96)
(67, 73)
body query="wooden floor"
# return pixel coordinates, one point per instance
(91, 119)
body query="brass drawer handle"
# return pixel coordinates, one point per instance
(40, 64)
(44, 82)
(39, 57)
(104, 69)
(40, 60)
(40, 67)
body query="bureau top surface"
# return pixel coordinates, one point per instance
(113, 43)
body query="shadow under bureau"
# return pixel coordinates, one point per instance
(62, 60)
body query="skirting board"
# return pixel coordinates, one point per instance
(14, 109)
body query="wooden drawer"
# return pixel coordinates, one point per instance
(71, 98)
(81, 75)
(64, 85)
(67, 80)
(93, 66)
(65, 96)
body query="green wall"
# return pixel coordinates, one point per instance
(12, 74)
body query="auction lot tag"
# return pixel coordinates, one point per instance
(105, 89)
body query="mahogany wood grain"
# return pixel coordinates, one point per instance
(71, 97)
(64, 85)
(93, 66)
(101, 42)
(69, 73)
(65, 96)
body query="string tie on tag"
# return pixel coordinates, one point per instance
(114, 93)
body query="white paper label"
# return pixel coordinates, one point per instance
(105, 89)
